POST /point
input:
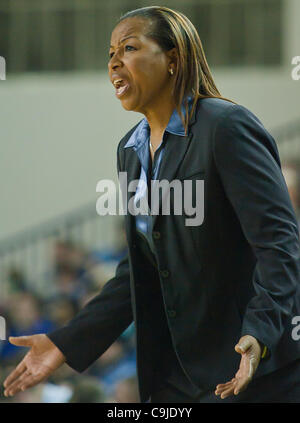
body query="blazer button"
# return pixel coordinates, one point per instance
(171, 313)
(165, 273)
(156, 235)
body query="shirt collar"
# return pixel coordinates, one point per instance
(142, 131)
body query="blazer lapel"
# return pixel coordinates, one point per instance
(175, 149)
(133, 169)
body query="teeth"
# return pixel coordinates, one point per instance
(121, 89)
(117, 81)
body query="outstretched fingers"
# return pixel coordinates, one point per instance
(15, 386)
(16, 373)
(242, 384)
(224, 389)
(32, 380)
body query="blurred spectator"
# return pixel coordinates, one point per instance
(16, 280)
(70, 270)
(56, 393)
(87, 390)
(24, 317)
(77, 276)
(126, 391)
(61, 309)
(117, 363)
(113, 255)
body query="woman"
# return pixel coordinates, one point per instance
(212, 296)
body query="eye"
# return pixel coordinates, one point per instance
(130, 47)
(127, 48)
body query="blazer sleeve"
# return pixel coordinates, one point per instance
(88, 335)
(249, 167)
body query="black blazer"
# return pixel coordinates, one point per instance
(235, 274)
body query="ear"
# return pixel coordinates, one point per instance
(172, 56)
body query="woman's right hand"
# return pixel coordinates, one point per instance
(39, 363)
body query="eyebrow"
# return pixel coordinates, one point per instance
(123, 39)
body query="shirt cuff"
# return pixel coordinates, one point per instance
(264, 352)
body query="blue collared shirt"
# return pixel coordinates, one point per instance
(139, 140)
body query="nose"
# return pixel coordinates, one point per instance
(114, 62)
(115, 66)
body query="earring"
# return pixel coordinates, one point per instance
(171, 71)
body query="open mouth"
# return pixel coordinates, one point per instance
(121, 87)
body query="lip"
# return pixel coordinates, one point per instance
(120, 92)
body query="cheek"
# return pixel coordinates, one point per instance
(147, 73)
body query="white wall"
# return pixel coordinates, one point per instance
(58, 138)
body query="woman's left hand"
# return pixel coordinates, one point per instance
(250, 350)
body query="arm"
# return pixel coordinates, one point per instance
(248, 163)
(249, 167)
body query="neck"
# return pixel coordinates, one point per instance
(159, 114)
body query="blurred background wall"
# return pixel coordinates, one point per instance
(60, 122)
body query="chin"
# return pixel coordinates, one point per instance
(126, 106)
(129, 106)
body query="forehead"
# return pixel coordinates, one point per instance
(131, 26)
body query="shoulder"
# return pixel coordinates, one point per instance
(236, 131)
(225, 117)
(214, 107)
(220, 111)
